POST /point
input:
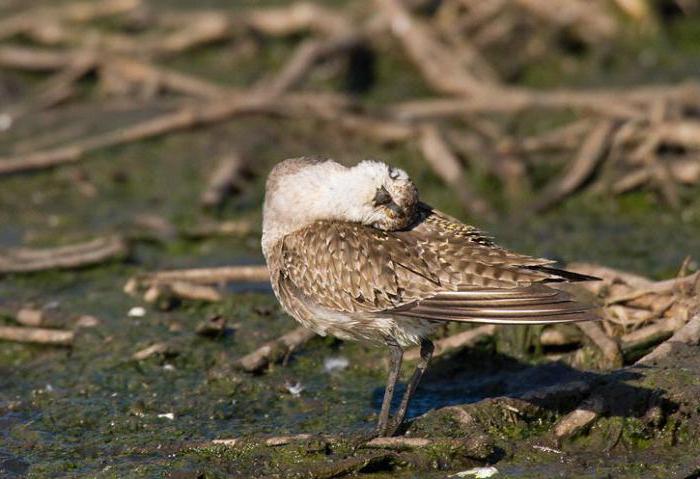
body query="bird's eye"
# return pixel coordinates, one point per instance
(382, 197)
(393, 173)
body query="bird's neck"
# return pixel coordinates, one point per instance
(310, 198)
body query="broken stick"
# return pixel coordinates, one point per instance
(275, 350)
(56, 337)
(26, 260)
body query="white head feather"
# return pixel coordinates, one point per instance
(301, 191)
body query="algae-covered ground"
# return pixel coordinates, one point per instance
(92, 411)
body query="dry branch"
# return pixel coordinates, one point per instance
(25, 260)
(296, 18)
(608, 346)
(56, 337)
(224, 177)
(152, 350)
(689, 334)
(445, 163)
(583, 166)
(460, 340)
(189, 116)
(580, 418)
(652, 334)
(303, 60)
(435, 62)
(224, 274)
(181, 289)
(275, 350)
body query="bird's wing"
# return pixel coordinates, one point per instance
(440, 269)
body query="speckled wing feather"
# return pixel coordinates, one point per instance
(440, 269)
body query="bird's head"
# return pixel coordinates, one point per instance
(302, 191)
(383, 197)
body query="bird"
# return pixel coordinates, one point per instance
(354, 253)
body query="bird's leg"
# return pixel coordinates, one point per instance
(396, 355)
(426, 353)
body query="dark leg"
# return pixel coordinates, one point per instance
(426, 352)
(396, 354)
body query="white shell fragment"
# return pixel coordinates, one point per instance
(335, 364)
(137, 312)
(477, 472)
(295, 389)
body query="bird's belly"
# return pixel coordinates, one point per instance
(368, 327)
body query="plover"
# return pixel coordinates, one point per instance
(353, 252)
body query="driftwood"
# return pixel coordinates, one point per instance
(152, 350)
(158, 293)
(583, 166)
(580, 418)
(224, 177)
(56, 337)
(459, 340)
(26, 260)
(688, 334)
(441, 158)
(275, 350)
(608, 346)
(224, 274)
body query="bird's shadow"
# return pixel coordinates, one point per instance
(473, 375)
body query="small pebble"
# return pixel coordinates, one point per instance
(137, 312)
(87, 321)
(295, 389)
(335, 364)
(167, 415)
(5, 121)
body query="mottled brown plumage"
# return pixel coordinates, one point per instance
(352, 252)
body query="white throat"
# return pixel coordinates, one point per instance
(325, 191)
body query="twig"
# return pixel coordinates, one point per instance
(688, 334)
(225, 176)
(36, 18)
(152, 350)
(585, 163)
(224, 274)
(580, 418)
(56, 337)
(184, 290)
(306, 56)
(25, 260)
(554, 336)
(608, 346)
(34, 59)
(297, 17)
(652, 334)
(610, 274)
(444, 162)
(435, 62)
(157, 76)
(275, 350)
(186, 117)
(460, 340)
(56, 88)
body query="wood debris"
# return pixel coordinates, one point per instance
(56, 337)
(275, 350)
(78, 255)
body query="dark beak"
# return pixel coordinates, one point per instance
(395, 208)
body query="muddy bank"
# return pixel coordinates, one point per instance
(641, 421)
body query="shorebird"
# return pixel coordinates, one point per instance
(353, 252)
